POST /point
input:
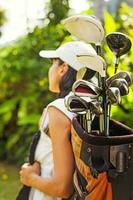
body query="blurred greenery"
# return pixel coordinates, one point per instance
(24, 84)
(124, 24)
(24, 88)
(3, 18)
(9, 181)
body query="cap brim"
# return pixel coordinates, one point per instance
(48, 54)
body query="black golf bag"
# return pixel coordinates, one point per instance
(104, 164)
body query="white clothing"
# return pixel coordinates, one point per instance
(44, 152)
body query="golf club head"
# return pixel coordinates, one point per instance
(87, 74)
(122, 85)
(95, 108)
(86, 89)
(75, 104)
(123, 74)
(83, 72)
(85, 27)
(119, 43)
(113, 95)
(94, 62)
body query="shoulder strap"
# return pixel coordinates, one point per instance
(25, 190)
(33, 145)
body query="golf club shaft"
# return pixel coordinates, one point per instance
(106, 131)
(88, 121)
(103, 118)
(108, 116)
(116, 64)
(98, 49)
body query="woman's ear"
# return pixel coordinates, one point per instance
(63, 69)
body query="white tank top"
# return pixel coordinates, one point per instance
(44, 152)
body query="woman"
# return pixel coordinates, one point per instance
(51, 176)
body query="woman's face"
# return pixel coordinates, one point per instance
(56, 72)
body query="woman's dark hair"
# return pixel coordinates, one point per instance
(67, 81)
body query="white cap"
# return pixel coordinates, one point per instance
(68, 53)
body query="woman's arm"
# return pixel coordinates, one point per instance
(60, 184)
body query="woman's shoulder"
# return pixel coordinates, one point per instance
(60, 105)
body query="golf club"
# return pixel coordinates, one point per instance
(79, 106)
(123, 74)
(87, 74)
(119, 44)
(86, 88)
(113, 95)
(91, 30)
(121, 84)
(88, 25)
(101, 68)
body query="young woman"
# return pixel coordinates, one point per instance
(51, 176)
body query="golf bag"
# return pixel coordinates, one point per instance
(104, 164)
(25, 190)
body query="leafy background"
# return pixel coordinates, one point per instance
(24, 84)
(23, 76)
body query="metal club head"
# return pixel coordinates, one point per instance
(86, 89)
(122, 74)
(113, 95)
(85, 27)
(95, 108)
(119, 43)
(121, 84)
(75, 104)
(85, 73)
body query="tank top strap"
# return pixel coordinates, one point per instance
(59, 104)
(43, 122)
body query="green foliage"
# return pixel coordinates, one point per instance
(24, 84)
(2, 18)
(24, 88)
(9, 179)
(57, 10)
(109, 23)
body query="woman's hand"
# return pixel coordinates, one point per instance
(28, 172)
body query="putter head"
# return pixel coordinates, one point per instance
(119, 43)
(122, 74)
(85, 27)
(93, 62)
(113, 95)
(122, 85)
(85, 88)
